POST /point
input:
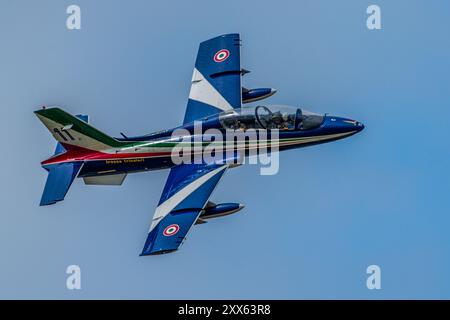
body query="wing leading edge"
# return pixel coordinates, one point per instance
(185, 194)
(216, 81)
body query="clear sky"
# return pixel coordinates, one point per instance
(380, 197)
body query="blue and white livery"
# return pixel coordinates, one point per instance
(216, 101)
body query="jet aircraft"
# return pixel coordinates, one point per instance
(216, 100)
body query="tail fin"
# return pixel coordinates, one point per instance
(70, 130)
(59, 147)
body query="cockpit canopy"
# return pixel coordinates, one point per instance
(270, 117)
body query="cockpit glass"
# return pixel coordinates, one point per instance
(282, 118)
(270, 117)
(309, 120)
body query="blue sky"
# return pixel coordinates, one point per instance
(380, 197)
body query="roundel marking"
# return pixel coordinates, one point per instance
(221, 55)
(171, 230)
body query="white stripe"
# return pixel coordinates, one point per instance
(203, 91)
(198, 215)
(164, 208)
(81, 140)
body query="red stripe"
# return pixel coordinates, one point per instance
(75, 153)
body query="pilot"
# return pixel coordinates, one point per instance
(285, 120)
(277, 120)
(235, 125)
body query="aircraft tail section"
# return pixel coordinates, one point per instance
(74, 135)
(59, 179)
(74, 131)
(59, 147)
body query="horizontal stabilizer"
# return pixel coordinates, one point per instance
(59, 149)
(59, 180)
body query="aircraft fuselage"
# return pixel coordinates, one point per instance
(154, 151)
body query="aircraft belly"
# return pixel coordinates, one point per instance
(116, 166)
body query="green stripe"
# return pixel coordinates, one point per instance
(60, 116)
(64, 118)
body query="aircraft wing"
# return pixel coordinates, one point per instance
(216, 82)
(185, 194)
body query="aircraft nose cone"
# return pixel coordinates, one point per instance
(360, 126)
(341, 125)
(352, 125)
